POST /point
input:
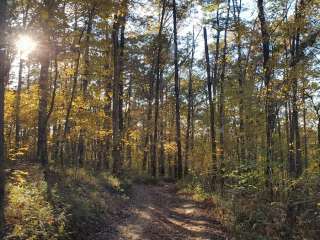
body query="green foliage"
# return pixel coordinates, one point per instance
(29, 212)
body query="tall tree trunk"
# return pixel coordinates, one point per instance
(73, 95)
(116, 140)
(241, 78)
(190, 106)
(162, 129)
(42, 154)
(147, 124)
(291, 159)
(157, 93)
(222, 97)
(121, 77)
(213, 87)
(55, 83)
(305, 137)
(117, 97)
(18, 94)
(268, 104)
(3, 27)
(17, 107)
(86, 78)
(177, 93)
(128, 126)
(85, 83)
(211, 108)
(107, 106)
(28, 73)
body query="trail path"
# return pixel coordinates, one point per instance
(159, 213)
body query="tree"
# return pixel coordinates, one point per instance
(42, 147)
(3, 47)
(117, 102)
(222, 98)
(177, 94)
(267, 70)
(157, 93)
(190, 106)
(211, 107)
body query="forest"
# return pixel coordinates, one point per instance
(160, 119)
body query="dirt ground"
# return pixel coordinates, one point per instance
(158, 212)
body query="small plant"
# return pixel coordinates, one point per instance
(29, 214)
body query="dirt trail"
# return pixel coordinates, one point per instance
(158, 212)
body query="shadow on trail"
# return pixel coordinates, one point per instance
(159, 213)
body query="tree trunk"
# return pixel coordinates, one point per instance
(212, 110)
(268, 104)
(17, 109)
(116, 140)
(162, 129)
(42, 154)
(121, 64)
(85, 80)
(305, 137)
(190, 107)
(73, 95)
(221, 110)
(241, 79)
(157, 93)
(148, 124)
(3, 27)
(107, 106)
(177, 94)
(291, 143)
(18, 94)
(128, 126)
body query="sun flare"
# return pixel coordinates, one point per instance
(25, 45)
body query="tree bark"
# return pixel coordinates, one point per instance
(157, 93)
(162, 155)
(190, 107)
(18, 94)
(241, 79)
(305, 137)
(86, 79)
(3, 47)
(268, 102)
(42, 153)
(211, 108)
(17, 108)
(116, 139)
(73, 95)
(177, 94)
(222, 97)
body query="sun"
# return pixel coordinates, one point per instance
(25, 45)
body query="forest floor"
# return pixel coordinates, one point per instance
(99, 206)
(160, 212)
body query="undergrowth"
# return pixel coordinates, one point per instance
(71, 204)
(248, 215)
